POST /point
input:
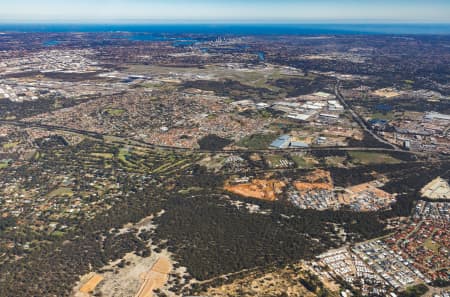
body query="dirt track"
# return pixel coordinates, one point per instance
(91, 284)
(155, 278)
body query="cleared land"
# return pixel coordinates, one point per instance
(386, 93)
(436, 189)
(155, 278)
(432, 245)
(367, 158)
(259, 189)
(91, 284)
(303, 161)
(10, 145)
(103, 155)
(367, 195)
(4, 164)
(62, 191)
(317, 180)
(257, 141)
(280, 282)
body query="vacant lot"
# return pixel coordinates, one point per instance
(431, 245)
(90, 285)
(367, 158)
(103, 155)
(114, 111)
(4, 164)
(303, 161)
(61, 191)
(317, 180)
(282, 282)
(155, 278)
(10, 145)
(387, 93)
(259, 189)
(257, 141)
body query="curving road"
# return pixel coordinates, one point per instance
(359, 120)
(126, 141)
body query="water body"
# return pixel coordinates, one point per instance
(184, 43)
(177, 42)
(146, 37)
(261, 56)
(237, 29)
(51, 43)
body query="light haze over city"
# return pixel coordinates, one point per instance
(210, 11)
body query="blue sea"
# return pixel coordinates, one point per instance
(236, 29)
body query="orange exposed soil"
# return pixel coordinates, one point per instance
(368, 188)
(367, 195)
(318, 180)
(91, 284)
(155, 278)
(259, 189)
(162, 266)
(302, 186)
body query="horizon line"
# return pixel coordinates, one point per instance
(224, 22)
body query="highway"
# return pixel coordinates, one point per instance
(358, 119)
(133, 142)
(126, 141)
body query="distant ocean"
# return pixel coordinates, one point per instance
(237, 29)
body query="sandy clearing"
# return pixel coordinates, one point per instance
(155, 278)
(281, 282)
(317, 180)
(387, 93)
(91, 284)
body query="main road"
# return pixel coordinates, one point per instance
(358, 119)
(135, 142)
(121, 140)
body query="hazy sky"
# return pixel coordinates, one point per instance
(437, 11)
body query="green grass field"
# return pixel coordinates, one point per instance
(431, 245)
(367, 158)
(388, 116)
(103, 155)
(274, 161)
(303, 162)
(61, 191)
(335, 161)
(10, 145)
(123, 154)
(114, 111)
(257, 141)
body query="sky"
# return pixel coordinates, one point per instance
(211, 11)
